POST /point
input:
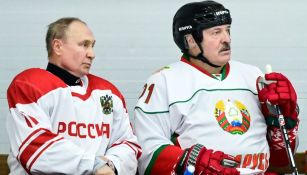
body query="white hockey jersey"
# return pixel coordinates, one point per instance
(59, 129)
(181, 100)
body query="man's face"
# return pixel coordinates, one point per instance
(216, 44)
(77, 49)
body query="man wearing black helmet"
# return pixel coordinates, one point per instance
(205, 110)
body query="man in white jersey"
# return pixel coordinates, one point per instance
(204, 110)
(65, 120)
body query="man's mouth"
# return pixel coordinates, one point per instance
(87, 65)
(225, 51)
(225, 48)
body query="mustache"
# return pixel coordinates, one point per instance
(225, 47)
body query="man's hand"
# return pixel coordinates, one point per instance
(279, 92)
(106, 169)
(207, 161)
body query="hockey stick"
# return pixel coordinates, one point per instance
(281, 120)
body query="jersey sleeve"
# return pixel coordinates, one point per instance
(34, 144)
(123, 149)
(152, 126)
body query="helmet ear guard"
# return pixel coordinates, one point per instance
(185, 41)
(196, 36)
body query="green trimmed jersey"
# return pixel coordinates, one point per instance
(182, 105)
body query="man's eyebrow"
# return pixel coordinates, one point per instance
(87, 41)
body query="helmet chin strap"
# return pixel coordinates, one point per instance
(202, 58)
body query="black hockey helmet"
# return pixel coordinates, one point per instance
(194, 17)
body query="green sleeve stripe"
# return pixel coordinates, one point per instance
(153, 159)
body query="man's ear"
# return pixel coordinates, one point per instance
(189, 41)
(57, 45)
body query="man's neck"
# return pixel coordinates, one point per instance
(206, 67)
(64, 75)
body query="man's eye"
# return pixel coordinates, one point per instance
(216, 32)
(85, 44)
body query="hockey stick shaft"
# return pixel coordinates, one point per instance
(281, 120)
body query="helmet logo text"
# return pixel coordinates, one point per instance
(184, 28)
(221, 12)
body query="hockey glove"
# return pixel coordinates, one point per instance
(207, 161)
(279, 92)
(278, 153)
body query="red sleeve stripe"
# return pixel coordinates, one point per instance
(34, 145)
(47, 146)
(28, 139)
(139, 149)
(34, 120)
(135, 150)
(135, 147)
(134, 144)
(28, 122)
(31, 121)
(38, 152)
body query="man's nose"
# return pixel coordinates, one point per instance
(91, 53)
(226, 37)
